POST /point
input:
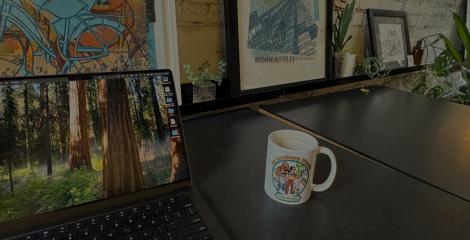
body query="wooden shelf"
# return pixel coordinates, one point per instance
(275, 92)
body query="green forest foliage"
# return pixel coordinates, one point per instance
(143, 95)
(40, 194)
(154, 177)
(8, 125)
(26, 188)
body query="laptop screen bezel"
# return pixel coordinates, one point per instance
(61, 216)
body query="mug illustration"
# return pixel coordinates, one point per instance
(290, 179)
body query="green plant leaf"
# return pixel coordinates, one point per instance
(435, 92)
(441, 65)
(346, 42)
(452, 49)
(462, 32)
(340, 28)
(420, 86)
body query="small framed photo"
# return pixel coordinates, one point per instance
(389, 37)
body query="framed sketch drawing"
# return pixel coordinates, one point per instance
(281, 41)
(389, 37)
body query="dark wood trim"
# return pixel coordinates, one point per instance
(280, 91)
(218, 104)
(314, 85)
(232, 46)
(329, 60)
(82, 76)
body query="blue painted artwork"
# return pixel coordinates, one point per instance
(40, 37)
(283, 27)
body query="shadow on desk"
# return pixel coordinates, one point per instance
(367, 200)
(426, 138)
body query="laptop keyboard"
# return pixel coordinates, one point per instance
(170, 218)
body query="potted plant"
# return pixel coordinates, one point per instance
(344, 61)
(205, 83)
(451, 58)
(449, 78)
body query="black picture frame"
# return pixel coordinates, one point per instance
(229, 94)
(233, 50)
(374, 18)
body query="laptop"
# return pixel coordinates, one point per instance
(97, 157)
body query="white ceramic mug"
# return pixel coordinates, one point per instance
(290, 167)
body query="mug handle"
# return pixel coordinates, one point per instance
(329, 181)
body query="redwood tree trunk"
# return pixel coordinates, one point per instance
(122, 172)
(79, 156)
(179, 166)
(64, 126)
(45, 128)
(60, 133)
(27, 133)
(156, 111)
(10, 175)
(143, 123)
(94, 114)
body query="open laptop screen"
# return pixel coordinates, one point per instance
(66, 143)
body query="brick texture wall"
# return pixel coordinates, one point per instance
(425, 17)
(201, 26)
(200, 33)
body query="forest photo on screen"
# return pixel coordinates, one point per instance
(56, 153)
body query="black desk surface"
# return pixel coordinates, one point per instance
(367, 200)
(423, 137)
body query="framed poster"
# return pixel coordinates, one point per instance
(389, 37)
(279, 41)
(47, 37)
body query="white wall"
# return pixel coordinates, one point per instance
(425, 17)
(167, 41)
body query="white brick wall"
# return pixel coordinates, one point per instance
(200, 24)
(200, 33)
(425, 17)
